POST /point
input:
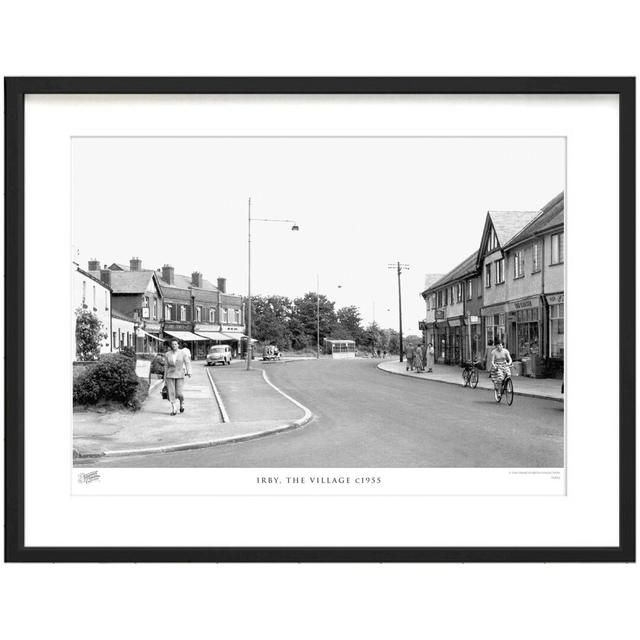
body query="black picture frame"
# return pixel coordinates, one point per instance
(15, 91)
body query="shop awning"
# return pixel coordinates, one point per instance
(187, 336)
(235, 336)
(213, 335)
(146, 333)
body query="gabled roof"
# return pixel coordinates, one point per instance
(117, 266)
(551, 215)
(128, 281)
(466, 268)
(506, 224)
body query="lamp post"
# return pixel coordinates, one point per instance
(400, 268)
(249, 305)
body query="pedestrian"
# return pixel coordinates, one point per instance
(384, 354)
(430, 355)
(409, 352)
(487, 356)
(378, 352)
(418, 359)
(178, 364)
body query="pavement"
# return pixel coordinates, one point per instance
(222, 405)
(547, 388)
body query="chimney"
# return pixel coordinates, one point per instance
(94, 265)
(167, 274)
(196, 279)
(222, 285)
(135, 264)
(105, 276)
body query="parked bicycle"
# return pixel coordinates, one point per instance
(470, 374)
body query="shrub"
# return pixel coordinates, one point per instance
(113, 378)
(128, 352)
(157, 365)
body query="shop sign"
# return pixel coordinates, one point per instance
(454, 323)
(556, 298)
(529, 303)
(234, 329)
(474, 319)
(489, 311)
(439, 314)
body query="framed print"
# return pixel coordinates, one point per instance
(320, 319)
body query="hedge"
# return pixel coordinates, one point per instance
(112, 379)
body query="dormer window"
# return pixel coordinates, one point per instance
(492, 245)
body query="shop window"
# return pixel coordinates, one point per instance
(487, 275)
(495, 328)
(518, 264)
(535, 257)
(556, 330)
(499, 271)
(557, 248)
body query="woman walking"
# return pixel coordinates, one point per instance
(430, 355)
(177, 365)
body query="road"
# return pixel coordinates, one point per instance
(369, 418)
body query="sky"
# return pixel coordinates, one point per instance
(361, 204)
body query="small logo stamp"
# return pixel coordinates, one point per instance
(87, 478)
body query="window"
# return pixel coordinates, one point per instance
(198, 314)
(459, 292)
(535, 257)
(95, 300)
(479, 286)
(556, 330)
(495, 328)
(113, 340)
(557, 248)
(439, 298)
(212, 315)
(224, 315)
(168, 311)
(487, 275)
(145, 302)
(518, 264)
(155, 309)
(183, 312)
(446, 296)
(493, 240)
(500, 271)
(469, 289)
(106, 301)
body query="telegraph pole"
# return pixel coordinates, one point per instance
(400, 267)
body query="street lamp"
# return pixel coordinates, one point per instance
(294, 227)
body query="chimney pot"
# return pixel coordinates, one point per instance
(196, 279)
(135, 264)
(105, 276)
(94, 265)
(168, 274)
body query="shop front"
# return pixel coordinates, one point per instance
(524, 319)
(441, 333)
(186, 337)
(454, 341)
(472, 347)
(555, 345)
(494, 319)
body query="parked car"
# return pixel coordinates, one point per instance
(219, 354)
(270, 353)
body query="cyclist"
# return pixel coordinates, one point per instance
(500, 362)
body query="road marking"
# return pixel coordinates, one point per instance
(307, 414)
(223, 410)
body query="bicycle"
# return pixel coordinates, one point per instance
(506, 389)
(470, 374)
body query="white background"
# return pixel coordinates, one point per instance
(320, 601)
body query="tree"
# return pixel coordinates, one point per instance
(89, 335)
(394, 341)
(348, 324)
(272, 317)
(372, 337)
(306, 311)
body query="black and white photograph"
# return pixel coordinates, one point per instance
(318, 302)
